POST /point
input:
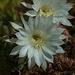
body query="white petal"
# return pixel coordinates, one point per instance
(52, 27)
(13, 40)
(60, 50)
(48, 59)
(60, 13)
(41, 56)
(66, 22)
(52, 43)
(35, 1)
(31, 13)
(49, 19)
(67, 6)
(48, 50)
(26, 4)
(23, 51)
(56, 42)
(40, 20)
(59, 30)
(31, 23)
(19, 36)
(44, 65)
(37, 22)
(70, 17)
(62, 37)
(59, 2)
(23, 21)
(35, 7)
(16, 50)
(62, 20)
(24, 33)
(48, 22)
(26, 26)
(37, 59)
(52, 36)
(22, 42)
(16, 26)
(62, 1)
(31, 52)
(31, 62)
(47, 56)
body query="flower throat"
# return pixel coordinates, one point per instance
(37, 40)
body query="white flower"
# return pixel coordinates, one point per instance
(40, 39)
(58, 8)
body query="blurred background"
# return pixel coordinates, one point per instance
(10, 11)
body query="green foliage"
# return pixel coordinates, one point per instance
(7, 13)
(20, 67)
(5, 63)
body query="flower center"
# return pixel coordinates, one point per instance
(37, 40)
(46, 10)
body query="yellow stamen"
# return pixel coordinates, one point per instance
(46, 10)
(37, 40)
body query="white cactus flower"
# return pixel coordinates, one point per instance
(58, 8)
(39, 40)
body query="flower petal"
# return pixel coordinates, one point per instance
(68, 6)
(23, 33)
(56, 41)
(41, 56)
(35, 7)
(26, 4)
(23, 51)
(44, 65)
(16, 26)
(16, 50)
(31, 62)
(59, 30)
(37, 59)
(22, 42)
(61, 13)
(62, 37)
(60, 50)
(48, 50)
(64, 21)
(49, 20)
(31, 23)
(25, 24)
(35, 1)
(31, 52)
(47, 56)
(19, 36)
(31, 13)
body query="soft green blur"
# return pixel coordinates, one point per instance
(8, 13)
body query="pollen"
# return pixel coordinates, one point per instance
(37, 40)
(46, 10)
